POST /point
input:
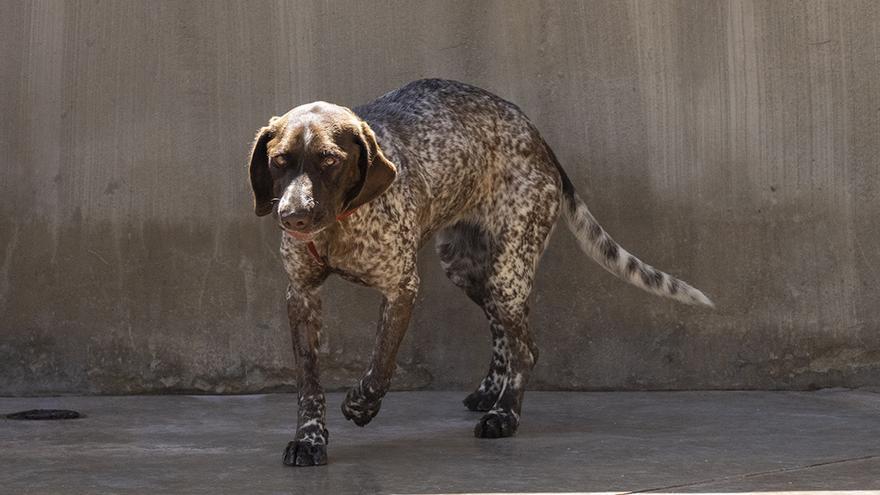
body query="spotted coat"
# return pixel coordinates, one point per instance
(468, 168)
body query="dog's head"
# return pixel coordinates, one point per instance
(314, 163)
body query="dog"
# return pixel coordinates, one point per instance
(357, 192)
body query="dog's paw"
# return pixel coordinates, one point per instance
(496, 424)
(303, 453)
(480, 401)
(358, 408)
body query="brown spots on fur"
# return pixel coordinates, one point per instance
(609, 249)
(595, 231)
(651, 277)
(632, 265)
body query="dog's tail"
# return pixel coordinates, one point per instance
(594, 241)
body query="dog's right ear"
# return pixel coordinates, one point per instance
(261, 181)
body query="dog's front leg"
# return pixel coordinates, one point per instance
(309, 447)
(364, 399)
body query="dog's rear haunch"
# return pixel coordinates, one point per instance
(357, 192)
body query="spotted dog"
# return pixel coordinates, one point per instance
(357, 192)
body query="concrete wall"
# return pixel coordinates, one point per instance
(736, 144)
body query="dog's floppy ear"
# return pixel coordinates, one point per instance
(261, 181)
(377, 173)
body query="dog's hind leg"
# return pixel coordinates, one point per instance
(464, 250)
(506, 305)
(519, 231)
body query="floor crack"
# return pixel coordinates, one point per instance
(754, 475)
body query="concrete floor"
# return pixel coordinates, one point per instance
(421, 443)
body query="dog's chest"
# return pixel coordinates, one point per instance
(367, 252)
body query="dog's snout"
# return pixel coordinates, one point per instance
(297, 220)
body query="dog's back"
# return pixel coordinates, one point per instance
(474, 150)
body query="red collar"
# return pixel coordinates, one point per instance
(346, 214)
(314, 250)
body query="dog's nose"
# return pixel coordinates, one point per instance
(296, 220)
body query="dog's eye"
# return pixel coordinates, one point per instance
(329, 160)
(279, 161)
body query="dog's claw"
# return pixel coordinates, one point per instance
(300, 453)
(496, 424)
(358, 408)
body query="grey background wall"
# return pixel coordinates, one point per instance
(736, 144)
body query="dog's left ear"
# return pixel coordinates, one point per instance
(377, 172)
(261, 181)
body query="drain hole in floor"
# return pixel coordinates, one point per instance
(45, 414)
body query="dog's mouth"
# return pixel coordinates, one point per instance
(302, 236)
